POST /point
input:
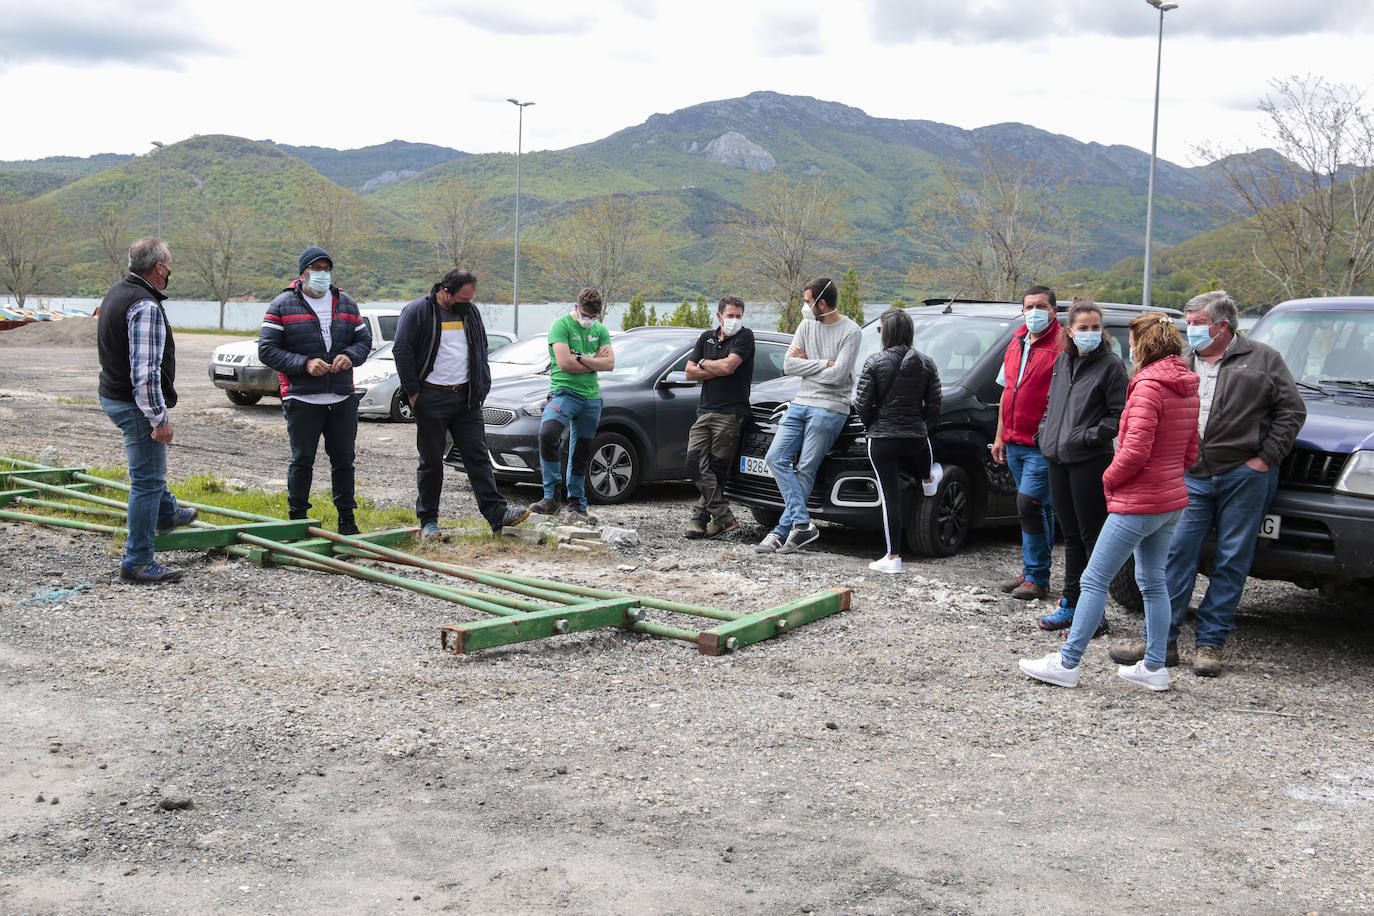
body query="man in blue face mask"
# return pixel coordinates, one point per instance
(313, 335)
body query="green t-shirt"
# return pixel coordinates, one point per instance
(579, 340)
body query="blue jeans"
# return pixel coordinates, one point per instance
(1233, 504)
(581, 416)
(1032, 473)
(1148, 536)
(149, 499)
(804, 436)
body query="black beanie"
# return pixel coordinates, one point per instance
(310, 256)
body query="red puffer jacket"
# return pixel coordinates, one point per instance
(1157, 443)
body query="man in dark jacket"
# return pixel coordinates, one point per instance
(137, 371)
(313, 335)
(723, 361)
(1251, 413)
(441, 358)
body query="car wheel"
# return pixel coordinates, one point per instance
(401, 411)
(614, 469)
(938, 525)
(768, 518)
(1124, 589)
(242, 398)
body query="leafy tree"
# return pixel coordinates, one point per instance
(782, 236)
(330, 216)
(28, 242)
(601, 243)
(899, 303)
(849, 303)
(1309, 210)
(635, 316)
(110, 222)
(218, 248)
(458, 223)
(702, 315)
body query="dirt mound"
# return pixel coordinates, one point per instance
(65, 332)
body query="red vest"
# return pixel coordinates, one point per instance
(1024, 400)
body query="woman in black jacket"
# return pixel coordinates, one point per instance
(1087, 395)
(898, 400)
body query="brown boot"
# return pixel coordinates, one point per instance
(1128, 653)
(1028, 590)
(1009, 585)
(1207, 661)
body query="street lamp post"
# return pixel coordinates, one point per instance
(519, 144)
(1154, 145)
(159, 187)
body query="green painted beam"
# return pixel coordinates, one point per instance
(63, 475)
(201, 538)
(753, 628)
(488, 634)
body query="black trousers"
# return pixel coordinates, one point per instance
(1080, 506)
(890, 459)
(439, 414)
(305, 423)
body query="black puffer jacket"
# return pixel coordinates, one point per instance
(898, 396)
(1087, 395)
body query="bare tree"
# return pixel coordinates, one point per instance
(330, 215)
(781, 237)
(601, 243)
(1308, 204)
(218, 248)
(460, 223)
(999, 229)
(110, 223)
(28, 240)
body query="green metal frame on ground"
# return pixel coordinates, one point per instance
(521, 608)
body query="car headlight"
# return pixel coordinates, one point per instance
(371, 375)
(1357, 479)
(535, 408)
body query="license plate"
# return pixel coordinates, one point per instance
(1269, 528)
(748, 464)
(224, 372)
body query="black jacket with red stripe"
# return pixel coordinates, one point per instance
(291, 336)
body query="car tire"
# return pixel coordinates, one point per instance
(1124, 590)
(768, 518)
(613, 471)
(242, 398)
(938, 525)
(401, 410)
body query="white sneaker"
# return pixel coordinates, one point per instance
(1051, 670)
(1154, 678)
(937, 474)
(884, 565)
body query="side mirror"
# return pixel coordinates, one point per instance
(677, 380)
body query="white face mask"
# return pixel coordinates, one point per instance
(731, 326)
(583, 319)
(809, 311)
(317, 281)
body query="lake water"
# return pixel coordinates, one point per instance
(535, 318)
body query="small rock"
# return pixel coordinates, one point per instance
(54, 800)
(561, 771)
(40, 799)
(665, 563)
(832, 726)
(175, 802)
(786, 694)
(577, 547)
(619, 537)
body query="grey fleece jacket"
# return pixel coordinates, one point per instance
(829, 387)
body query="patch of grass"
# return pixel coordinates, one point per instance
(85, 402)
(222, 332)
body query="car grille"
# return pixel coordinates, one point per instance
(1309, 468)
(765, 488)
(232, 359)
(497, 416)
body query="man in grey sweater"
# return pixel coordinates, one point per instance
(823, 354)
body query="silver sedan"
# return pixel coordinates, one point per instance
(379, 386)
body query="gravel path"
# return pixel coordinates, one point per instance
(253, 740)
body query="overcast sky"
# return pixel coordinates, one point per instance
(90, 76)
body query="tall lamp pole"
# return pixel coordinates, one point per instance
(159, 187)
(1154, 145)
(519, 144)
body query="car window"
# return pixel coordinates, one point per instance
(387, 325)
(383, 351)
(1321, 346)
(531, 351)
(496, 342)
(636, 356)
(768, 360)
(955, 342)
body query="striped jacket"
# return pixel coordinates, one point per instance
(291, 336)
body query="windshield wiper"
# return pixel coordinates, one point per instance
(1365, 383)
(1310, 386)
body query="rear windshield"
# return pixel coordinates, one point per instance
(955, 342)
(387, 325)
(1322, 348)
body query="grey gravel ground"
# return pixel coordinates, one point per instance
(254, 740)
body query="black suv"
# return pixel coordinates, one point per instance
(966, 339)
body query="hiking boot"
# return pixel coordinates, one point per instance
(1154, 678)
(430, 532)
(799, 537)
(696, 528)
(582, 517)
(1061, 619)
(1207, 661)
(770, 543)
(884, 565)
(1009, 585)
(546, 506)
(1128, 653)
(1029, 590)
(1101, 630)
(149, 572)
(512, 518)
(183, 516)
(716, 529)
(1051, 670)
(347, 526)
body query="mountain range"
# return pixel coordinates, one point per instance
(695, 169)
